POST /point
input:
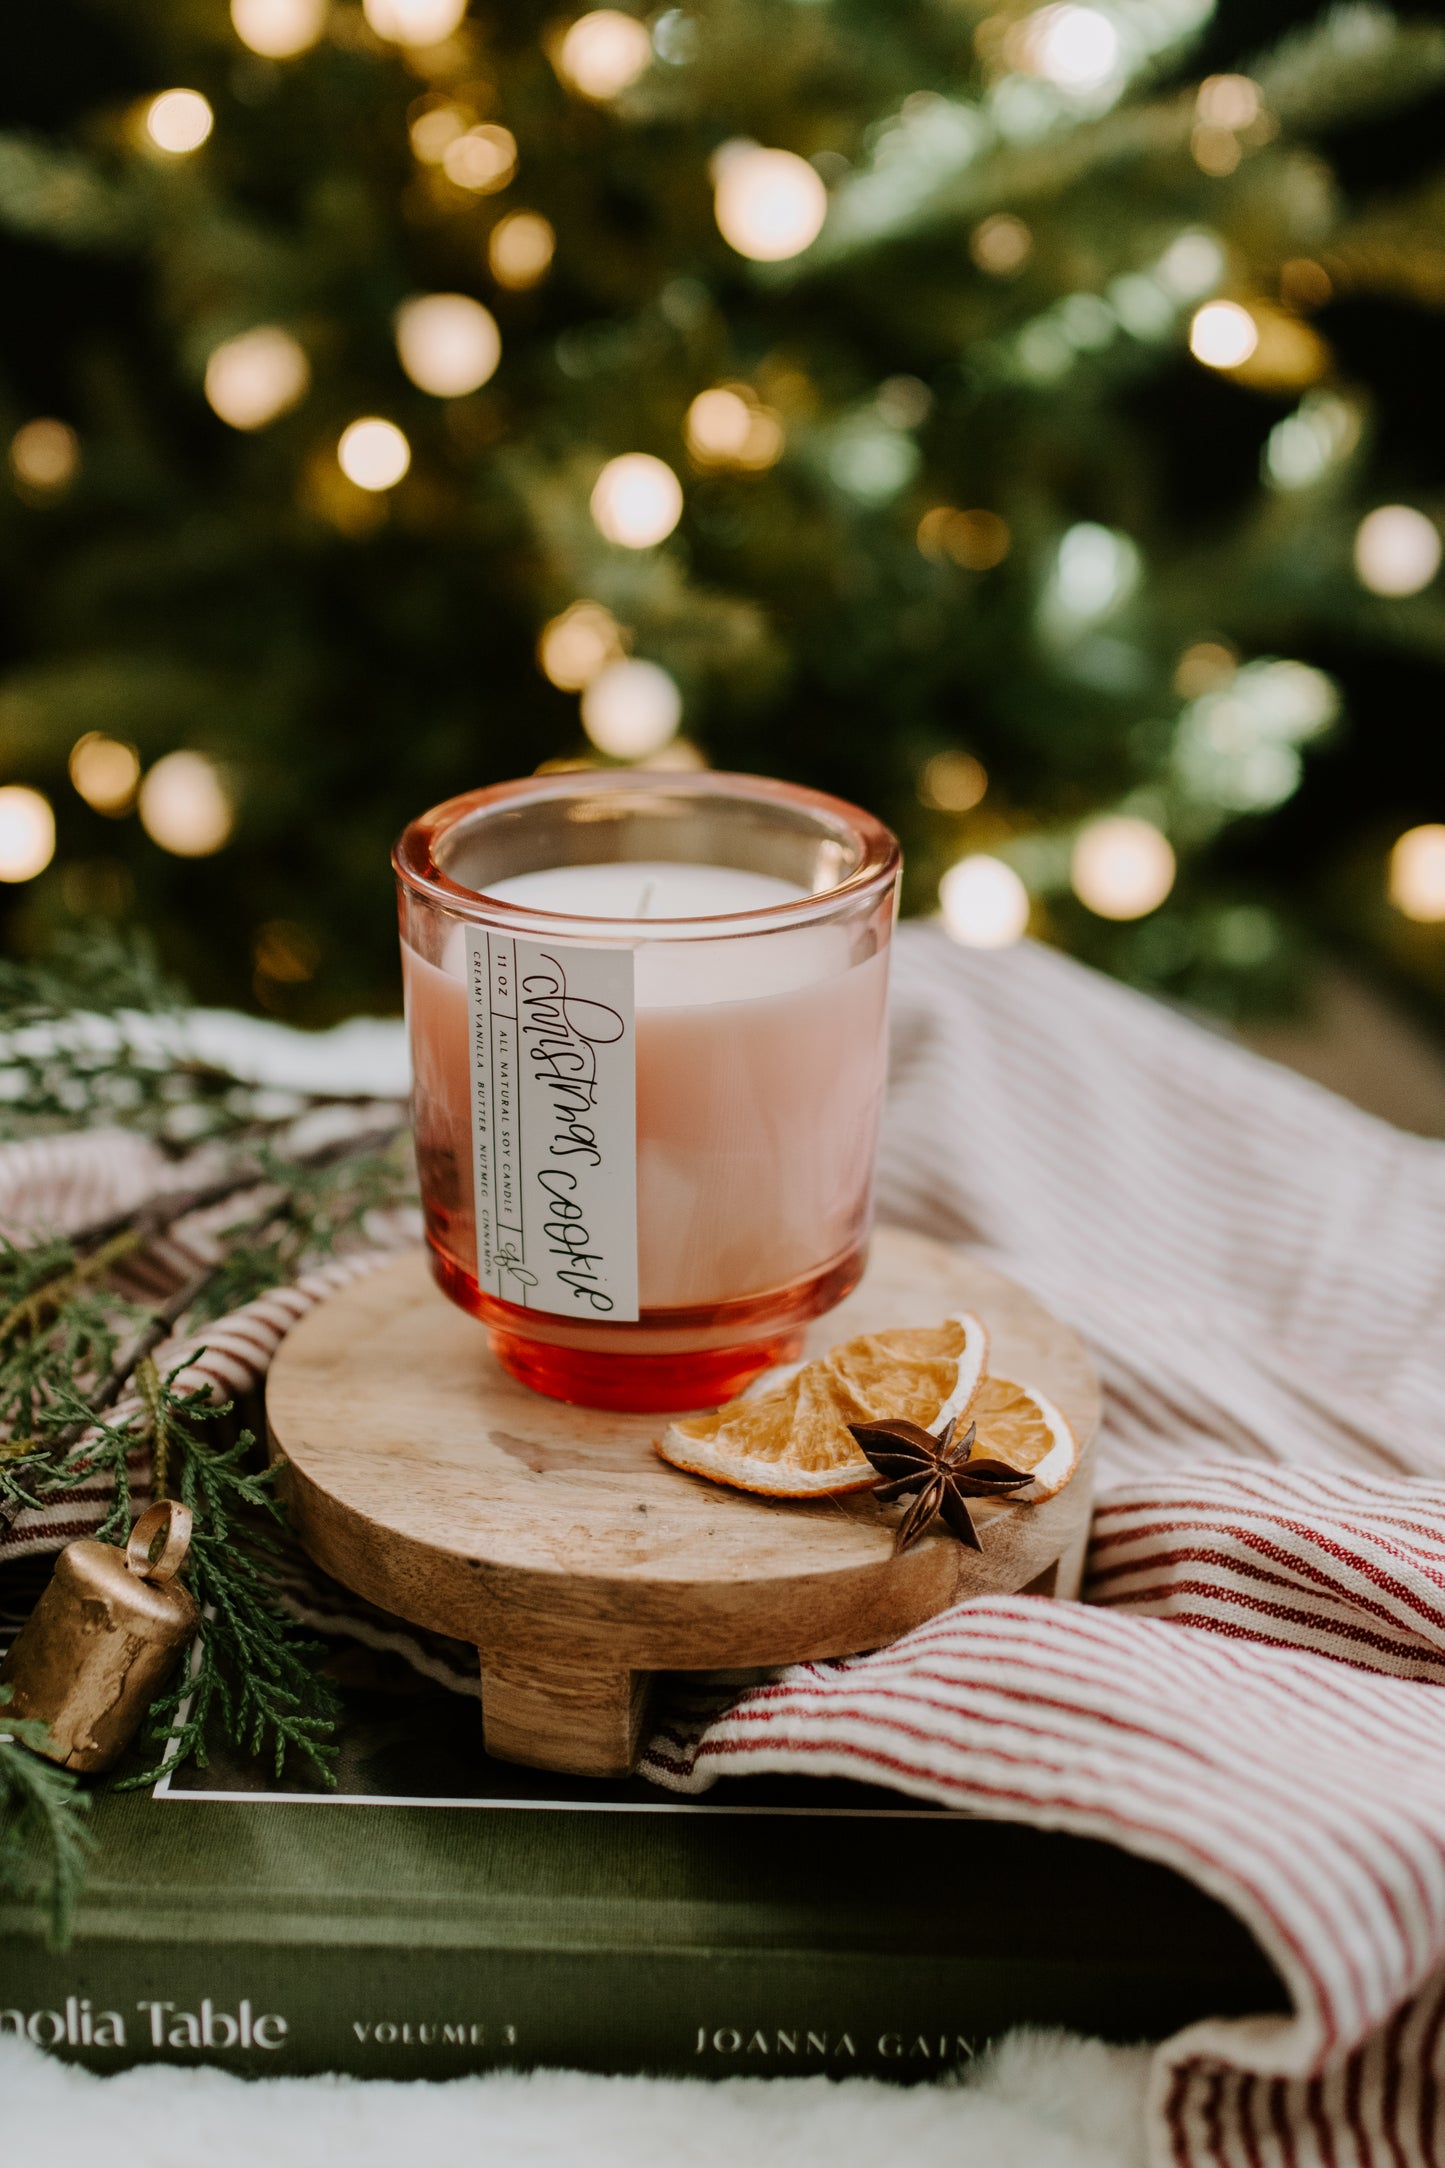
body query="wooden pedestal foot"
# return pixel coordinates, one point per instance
(587, 1719)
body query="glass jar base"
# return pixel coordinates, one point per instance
(665, 1362)
(639, 1384)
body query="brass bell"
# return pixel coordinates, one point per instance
(96, 1649)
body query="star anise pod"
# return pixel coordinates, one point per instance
(910, 1458)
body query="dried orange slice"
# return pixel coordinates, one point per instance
(1017, 1425)
(788, 1434)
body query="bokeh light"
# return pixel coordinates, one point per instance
(631, 709)
(448, 343)
(278, 29)
(482, 160)
(1228, 101)
(1216, 151)
(414, 22)
(1222, 334)
(1096, 569)
(1075, 48)
(984, 903)
(1192, 265)
(953, 782)
(603, 53)
(257, 376)
(1305, 284)
(727, 427)
(1397, 550)
(1122, 867)
(435, 126)
(105, 771)
(27, 832)
(577, 644)
(1001, 245)
(178, 121)
(769, 205)
(185, 807)
(45, 454)
(637, 501)
(1204, 666)
(373, 453)
(1417, 874)
(977, 540)
(520, 250)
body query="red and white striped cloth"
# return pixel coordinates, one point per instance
(1250, 1693)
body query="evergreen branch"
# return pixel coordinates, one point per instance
(44, 1838)
(255, 1675)
(55, 195)
(1356, 60)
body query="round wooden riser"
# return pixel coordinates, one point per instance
(581, 1564)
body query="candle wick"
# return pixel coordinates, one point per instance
(644, 901)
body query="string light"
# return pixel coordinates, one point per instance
(1001, 245)
(185, 807)
(637, 501)
(449, 344)
(414, 22)
(631, 709)
(1397, 550)
(278, 29)
(178, 122)
(27, 832)
(1417, 874)
(985, 904)
(1216, 151)
(1204, 668)
(1075, 48)
(373, 453)
(434, 130)
(520, 250)
(575, 646)
(603, 53)
(726, 427)
(1122, 868)
(257, 376)
(1222, 334)
(45, 454)
(481, 161)
(769, 205)
(1095, 569)
(105, 771)
(1305, 284)
(953, 782)
(1192, 265)
(1228, 101)
(976, 540)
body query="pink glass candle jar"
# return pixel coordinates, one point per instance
(648, 1020)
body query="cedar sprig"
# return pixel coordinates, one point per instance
(44, 1837)
(61, 1328)
(252, 1674)
(318, 1203)
(93, 1035)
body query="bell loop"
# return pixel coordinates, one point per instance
(159, 1541)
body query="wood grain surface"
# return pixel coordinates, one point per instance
(429, 1481)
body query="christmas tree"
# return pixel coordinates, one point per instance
(414, 395)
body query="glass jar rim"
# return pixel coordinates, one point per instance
(416, 861)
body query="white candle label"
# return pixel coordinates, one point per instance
(554, 1125)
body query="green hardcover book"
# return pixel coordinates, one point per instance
(442, 1913)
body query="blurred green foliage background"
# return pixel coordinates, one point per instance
(1071, 496)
